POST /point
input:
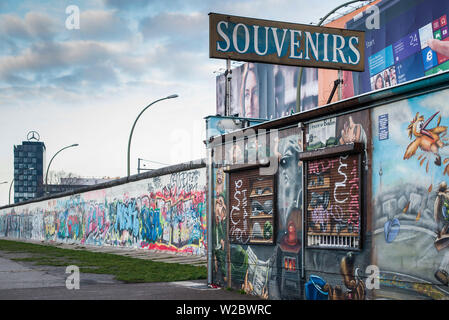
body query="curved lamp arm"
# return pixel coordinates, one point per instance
(48, 167)
(10, 186)
(135, 121)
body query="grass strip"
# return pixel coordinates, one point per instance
(127, 269)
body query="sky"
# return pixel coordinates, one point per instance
(88, 85)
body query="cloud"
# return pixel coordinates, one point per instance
(102, 25)
(158, 5)
(76, 65)
(16, 80)
(34, 25)
(87, 79)
(175, 25)
(44, 57)
(30, 96)
(127, 5)
(17, 33)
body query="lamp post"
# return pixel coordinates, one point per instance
(10, 186)
(48, 168)
(132, 129)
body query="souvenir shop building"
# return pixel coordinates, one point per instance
(346, 201)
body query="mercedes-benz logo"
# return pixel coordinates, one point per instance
(33, 135)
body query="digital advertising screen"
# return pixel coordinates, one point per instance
(398, 51)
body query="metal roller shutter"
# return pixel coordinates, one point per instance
(333, 202)
(251, 207)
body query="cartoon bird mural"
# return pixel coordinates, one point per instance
(427, 140)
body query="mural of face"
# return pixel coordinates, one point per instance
(251, 95)
(279, 94)
(289, 183)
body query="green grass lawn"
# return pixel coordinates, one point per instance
(125, 269)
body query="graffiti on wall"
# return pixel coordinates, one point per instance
(239, 212)
(269, 271)
(353, 285)
(333, 196)
(219, 227)
(162, 213)
(334, 210)
(340, 130)
(275, 271)
(410, 194)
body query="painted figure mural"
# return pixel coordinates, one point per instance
(219, 229)
(354, 285)
(333, 212)
(269, 271)
(289, 179)
(338, 131)
(410, 164)
(426, 140)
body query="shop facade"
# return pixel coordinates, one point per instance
(346, 201)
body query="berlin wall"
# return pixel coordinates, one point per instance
(163, 210)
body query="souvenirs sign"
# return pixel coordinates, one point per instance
(265, 41)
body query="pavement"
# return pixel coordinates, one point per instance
(22, 280)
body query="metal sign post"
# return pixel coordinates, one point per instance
(228, 87)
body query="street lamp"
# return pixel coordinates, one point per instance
(132, 129)
(10, 186)
(48, 168)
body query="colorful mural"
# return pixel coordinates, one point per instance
(165, 213)
(271, 271)
(354, 286)
(340, 130)
(274, 271)
(336, 274)
(399, 214)
(410, 163)
(219, 227)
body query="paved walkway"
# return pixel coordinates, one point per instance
(26, 281)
